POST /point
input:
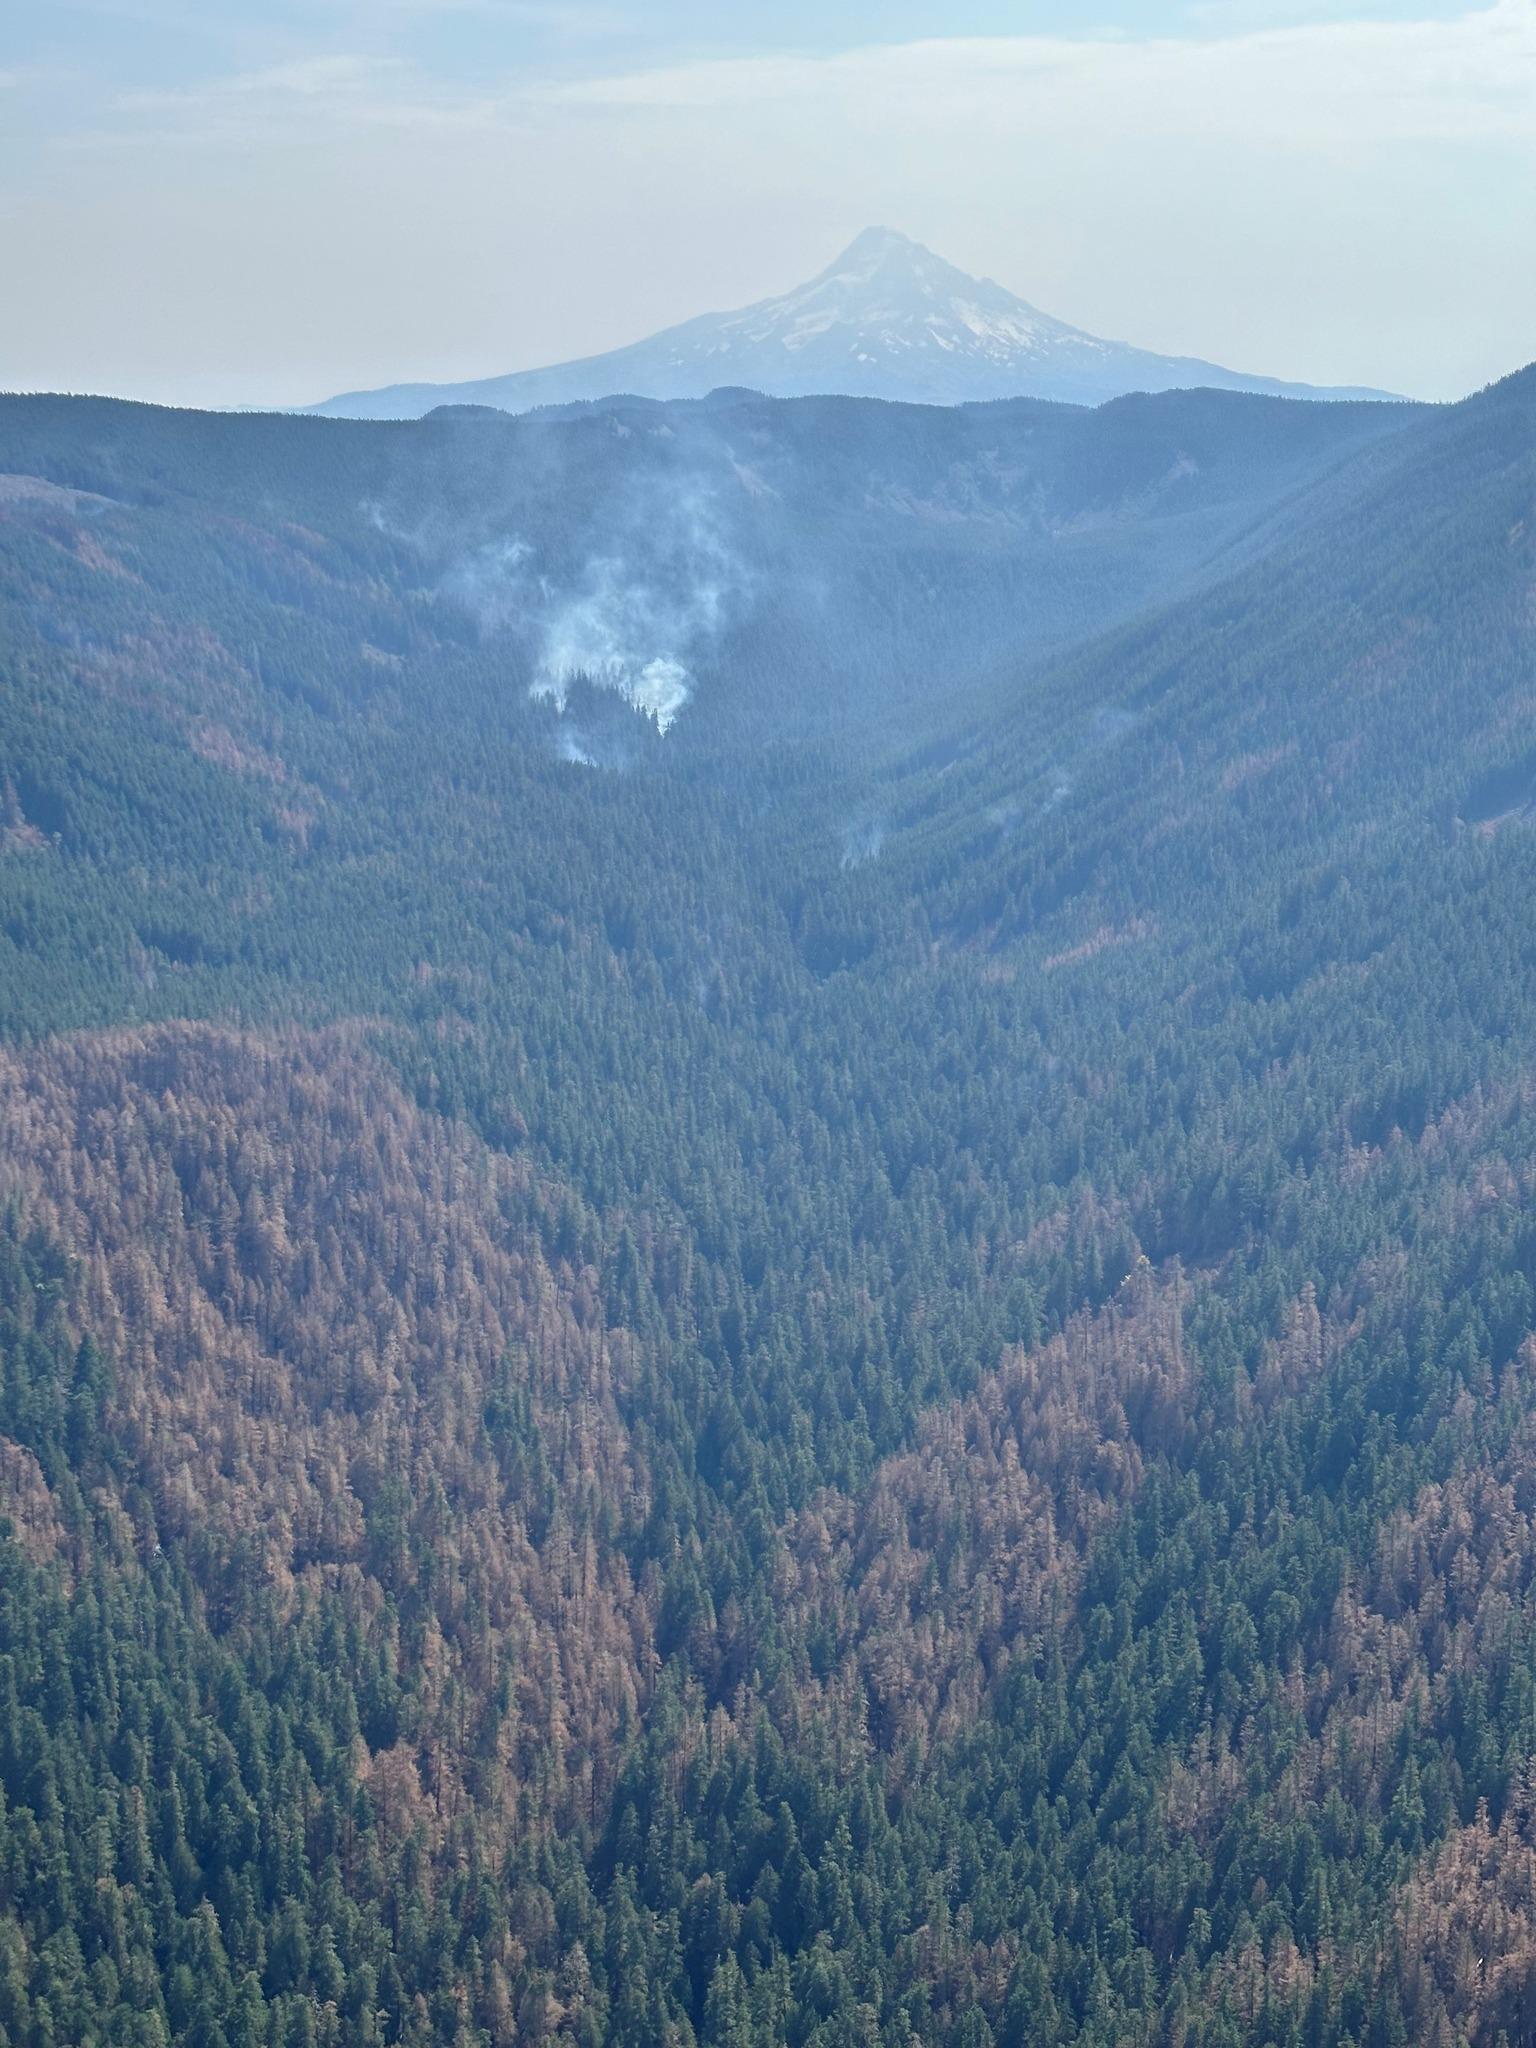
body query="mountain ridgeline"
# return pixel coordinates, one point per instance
(766, 1262)
(886, 319)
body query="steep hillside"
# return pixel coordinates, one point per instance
(768, 568)
(697, 1387)
(1364, 684)
(330, 1315)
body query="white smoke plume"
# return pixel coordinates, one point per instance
(634, 617)
(625, 631)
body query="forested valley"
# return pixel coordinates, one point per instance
(767, 1257)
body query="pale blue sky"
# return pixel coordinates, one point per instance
(246, 203)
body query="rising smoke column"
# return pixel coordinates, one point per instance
(648, 595)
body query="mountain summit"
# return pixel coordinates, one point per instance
(887, 319)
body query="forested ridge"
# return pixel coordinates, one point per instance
(852, 1366)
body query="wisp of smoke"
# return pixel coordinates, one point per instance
(635, 616)
(628, 628)
(1109, 722)
(862, 840)
(494, 583)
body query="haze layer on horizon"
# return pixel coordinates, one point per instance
(265, 202)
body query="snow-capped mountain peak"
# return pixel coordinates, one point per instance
(886, 319)
(887, 293)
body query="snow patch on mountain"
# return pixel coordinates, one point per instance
(887, 319)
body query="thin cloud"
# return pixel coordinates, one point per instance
(1349, 84)
(311, 97)
(1469, 78)
(307, 78)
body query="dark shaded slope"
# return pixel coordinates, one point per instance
(804, 565)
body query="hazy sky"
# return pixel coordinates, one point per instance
(265, 201)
